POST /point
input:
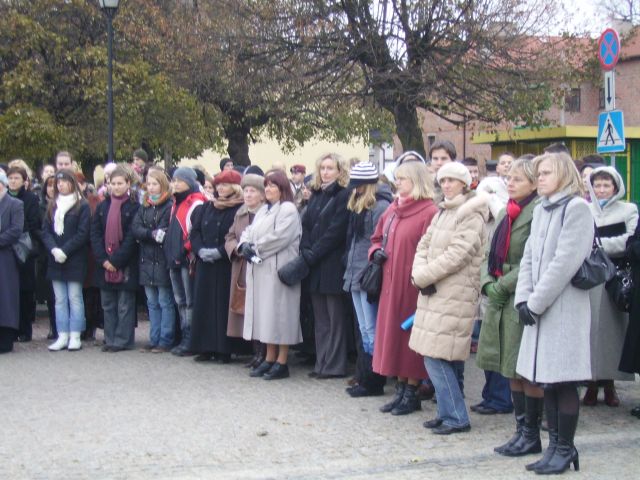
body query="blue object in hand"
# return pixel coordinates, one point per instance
(408, 323)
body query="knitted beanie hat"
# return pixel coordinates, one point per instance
(455, 170)
(253, 180)
(363, 173)
(141, 154)
(188, 176)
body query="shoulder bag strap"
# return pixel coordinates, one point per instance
(385, 237)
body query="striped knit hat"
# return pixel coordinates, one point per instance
(363, 173)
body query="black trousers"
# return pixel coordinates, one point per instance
(27, 313)
(7, 336)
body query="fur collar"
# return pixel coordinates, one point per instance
(469, 203)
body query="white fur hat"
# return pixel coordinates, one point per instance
(455, 170)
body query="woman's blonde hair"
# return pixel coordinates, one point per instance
(420, 176)
(524, 165)
(18, 162)
(237, 189)
(343, 171)
(563, 167)
(359, 202)
(160, 177)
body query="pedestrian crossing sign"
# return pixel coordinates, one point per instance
(611, 132)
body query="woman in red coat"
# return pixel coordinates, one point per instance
(406, 220)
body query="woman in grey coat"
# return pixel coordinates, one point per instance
(616, 221)
(554, 350)
(11, 224)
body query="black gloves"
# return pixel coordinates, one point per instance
(379, 257)
(428, 290)
(527, 317)
(247, 251)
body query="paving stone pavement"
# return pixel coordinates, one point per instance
(129, 415)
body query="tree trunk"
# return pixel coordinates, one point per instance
(408, 128)
(238, 145)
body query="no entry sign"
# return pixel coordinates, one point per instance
(609, 49)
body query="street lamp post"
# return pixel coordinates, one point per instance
(110, 8)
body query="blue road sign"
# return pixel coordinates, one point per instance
(609, 49)
(611, 132)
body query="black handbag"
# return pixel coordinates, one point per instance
(597, 268)
(23, 248)
(620, 288)
(371, 278)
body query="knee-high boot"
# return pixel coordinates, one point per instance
(529, 441)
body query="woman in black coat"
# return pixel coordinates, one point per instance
(211, 222)
(630, 360)
(116, 253)
(11, 224)
(65, 234)
(17, 188)
(323, 245)
(149, 228)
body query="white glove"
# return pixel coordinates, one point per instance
(59, 255)
(158, 235)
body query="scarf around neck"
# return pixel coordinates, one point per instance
(502, 237)
(64, 203)
(231, 201)
(113, 234)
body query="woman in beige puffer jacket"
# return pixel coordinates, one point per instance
(446, 269)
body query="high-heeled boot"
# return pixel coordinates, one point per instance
(397, 398)
(551, 412)
(565, 453)
(409, 403)
(529, 441)
(518, 410)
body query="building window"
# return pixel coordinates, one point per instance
(572, 100)
(431, 139)
(601, 104)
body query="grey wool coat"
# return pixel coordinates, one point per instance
(11, 225)
(616, 222)
(272, 309)
(556, 349)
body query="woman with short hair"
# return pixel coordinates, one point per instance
(65, 234)
(11, 225)
(501, 330)
(554, 351)
(403, 224)
(616, 221)
(446, 271)
(272, 309)
(211, 222)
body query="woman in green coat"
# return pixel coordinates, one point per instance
(501, 329)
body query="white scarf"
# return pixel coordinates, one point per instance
(64, 203)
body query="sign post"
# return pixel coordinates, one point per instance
(611, 122)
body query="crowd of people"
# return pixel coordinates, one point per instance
(248, 263)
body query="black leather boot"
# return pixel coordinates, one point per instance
(529, 441)
(518, 410)
(409, 403)
(397, 398)
(551, 411)
(565, 453)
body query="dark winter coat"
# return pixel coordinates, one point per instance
(630, 360)
(32, 224)
(324, 239)
(11, 225)
(213, 280)
(358, 243)
(74, 242)
(126, 257)
(152, 261)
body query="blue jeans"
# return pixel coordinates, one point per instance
(451, 408)
(496, 392)
(69, 306)
(182, 285)
(162, 315)
(366, 313)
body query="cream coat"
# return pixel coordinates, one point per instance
(272, 309)
(449, 257)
